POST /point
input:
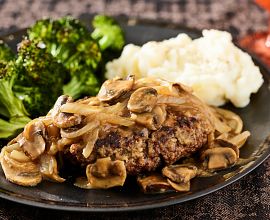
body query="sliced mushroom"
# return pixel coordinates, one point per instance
(240, 139)
(142, 100)
(48, 168)
(63, 119)
(113, 89)
(225, 143)
(18, 169)
(106, 173)
(33, 143)
(181, 187)
(63, 99)
(67, 120)
(152, 120)
(153, 184)
(180, 173)
(219, 158)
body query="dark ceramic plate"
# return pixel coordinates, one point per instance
(65, 196)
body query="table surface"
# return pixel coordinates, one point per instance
(248, 198)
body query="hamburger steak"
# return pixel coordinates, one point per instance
(143, 149)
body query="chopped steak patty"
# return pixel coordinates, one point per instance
(145, 150)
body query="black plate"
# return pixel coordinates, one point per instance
(67, 197)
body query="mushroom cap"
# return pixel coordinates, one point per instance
(115, 88)
(19, 172)
(180, 187)
(153, 184)
(152, 120)
(180, 173)
(142, 100)
(106, 173)
(32, 142)
(219, 158)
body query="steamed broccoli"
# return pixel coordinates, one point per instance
(70, 42)
(108, 33)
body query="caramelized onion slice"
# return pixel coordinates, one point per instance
(220, 126)
(84, 109)
(19, 156)
(231, 119)
(91, 139)
(170, 100)
(114, 119)
(89, 126)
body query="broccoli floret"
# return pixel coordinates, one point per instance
(70, 42)
(6, 53)
(29, 84)
(60, 36)
(39, 77)
(82, 66)
(13, 113)
(108, 33)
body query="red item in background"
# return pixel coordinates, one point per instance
(259, 43)
(264, 3)
(256, 43)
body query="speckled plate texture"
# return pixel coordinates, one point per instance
(65, 196)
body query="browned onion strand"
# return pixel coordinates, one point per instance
(88, 127)
(92, 136)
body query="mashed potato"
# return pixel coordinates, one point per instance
(212, 65)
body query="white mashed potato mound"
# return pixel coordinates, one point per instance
(212, 65)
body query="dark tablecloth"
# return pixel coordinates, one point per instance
(248, 198)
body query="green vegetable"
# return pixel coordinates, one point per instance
(70, 42)
(12, 112)
(60, 36)
(39, 78)
(110, 38)
(82, 66)
(6, 53)
(108, 33)
(60, 56)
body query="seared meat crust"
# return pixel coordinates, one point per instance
(144, 150)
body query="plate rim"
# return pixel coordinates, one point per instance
(61, 207)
